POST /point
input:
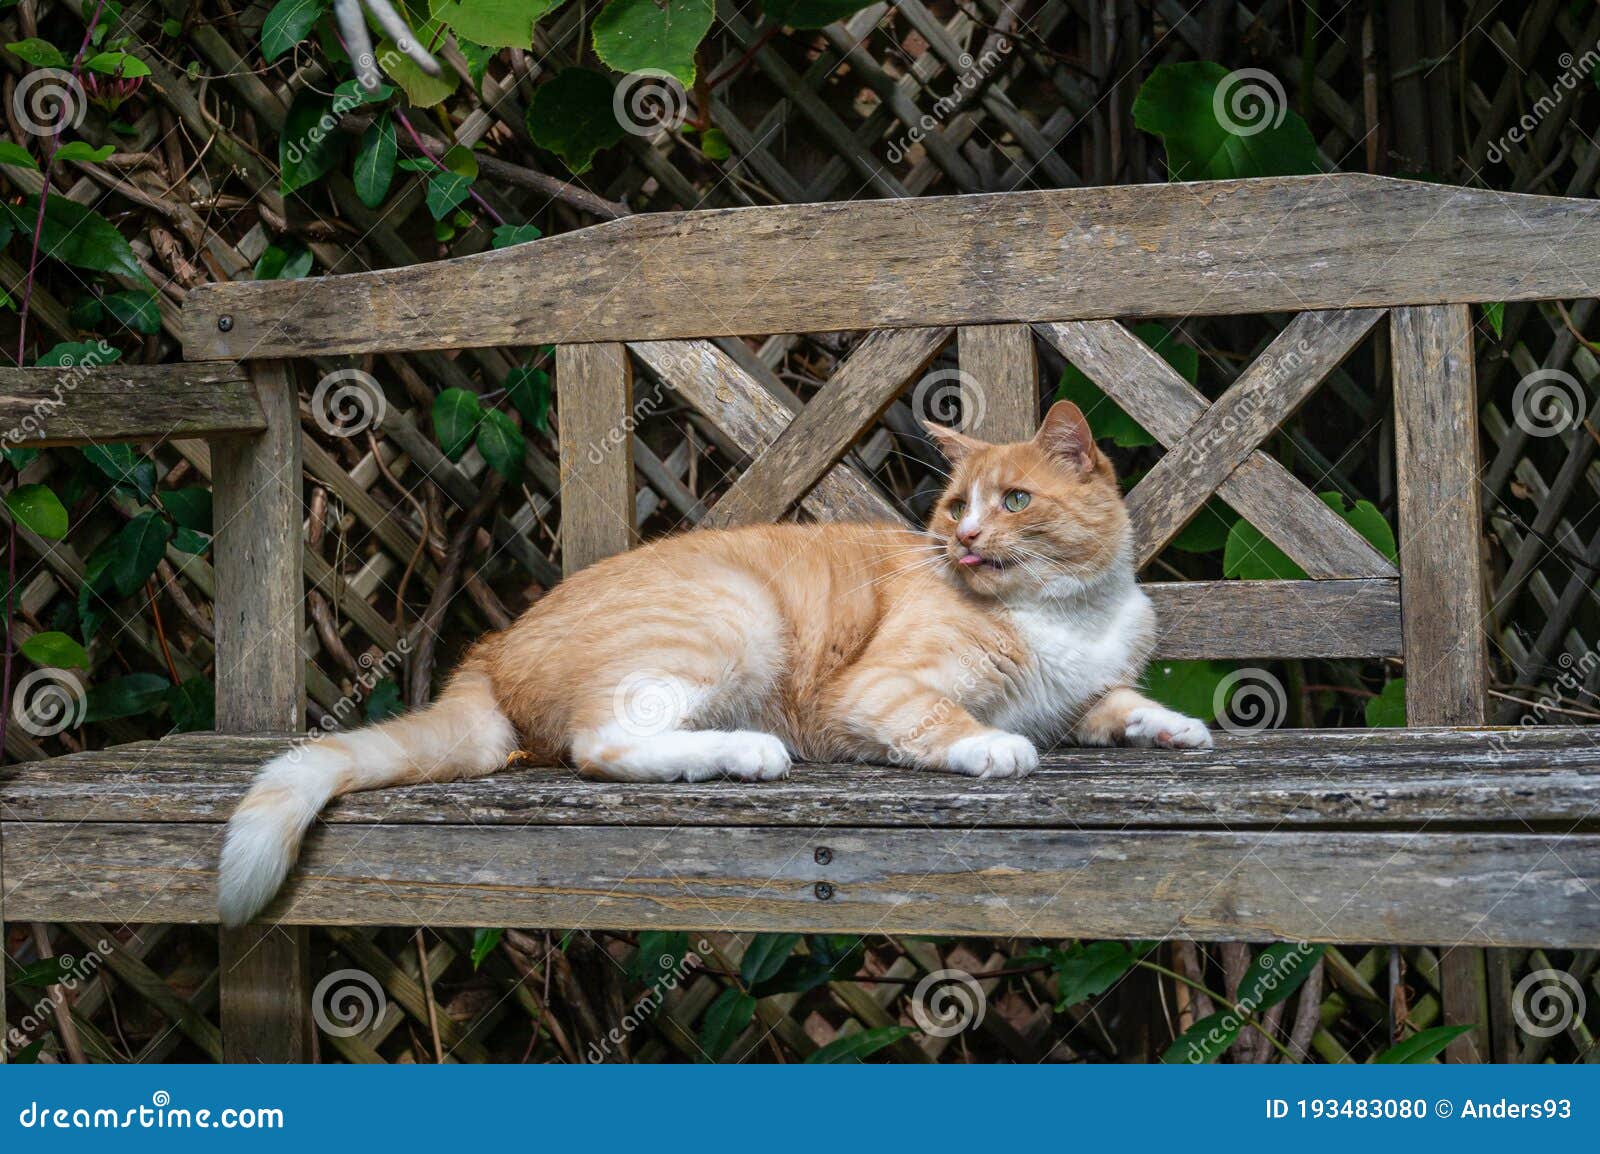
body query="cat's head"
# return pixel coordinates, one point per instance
(1036, 516)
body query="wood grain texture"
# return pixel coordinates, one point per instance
(752, 418)
(1314, 885)
(1265, 395)
(594, 402)
(847, 406)
(1002, 361)
(260, 684)
(1263, 491)
(83, 405)
(1215, 247)
(1206, 619)
(1543, 778)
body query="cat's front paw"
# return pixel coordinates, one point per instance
(1154, 725)
(993, 755)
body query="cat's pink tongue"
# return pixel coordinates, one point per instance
(971, 559)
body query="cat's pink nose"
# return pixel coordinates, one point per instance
(967, 534)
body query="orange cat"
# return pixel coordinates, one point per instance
(1013, 622)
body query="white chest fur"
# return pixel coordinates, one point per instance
(1077, 649)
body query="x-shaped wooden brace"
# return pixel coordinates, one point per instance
(1214, 448)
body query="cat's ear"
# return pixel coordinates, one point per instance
(952, 442)
(1065, 436)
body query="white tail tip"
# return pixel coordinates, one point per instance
(263, 836)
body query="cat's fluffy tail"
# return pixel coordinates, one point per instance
(462, 734)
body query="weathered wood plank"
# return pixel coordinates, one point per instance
(84, 404)
(810, 444)
(260, 684)
(1203, 619)
(1263, 491)
(1002, 362)
(1516, 779)
(594, 399)
(1215, 247)
(1266, 394)
(1311, 885)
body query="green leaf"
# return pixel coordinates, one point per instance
(421, 90)
(1105, 416)
(189, 507)
(374, 168)
(36, 51)
(140, 546)
(1495, 313)
(1388, 709)
(54, 650)
(193, 705)
(502, 444)
(529, 390)
(483, 944)
(311, 144)
(92, 607)
(1423, 1046)
(126, 696)
(1207, 531)
(808, 14)
(123, 64)
(383, 700)
(857, 1046)
(495, 23)
(114, 460)
(1365, 519)
(37, 508)
(135, 308)
(1207, 1040)
(643, 35)
(289, 262)
(714, 143)
(506, 235)
(1188, 686)
(445, 191)
(1277, 972)
(833, 958)
(29, 1054)
(572, 116)
(660, 952)
(1089, 969)
(456, 413)
(189, 541)
(15, 155)
(724, 1022)
(289, 22)
(765, 955)
(351, 94)
(77, 236)
(44, 972)
(477, 57)
(1249, 556)
(1220, 125)
(82, 150)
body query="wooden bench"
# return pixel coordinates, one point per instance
(1443, 833)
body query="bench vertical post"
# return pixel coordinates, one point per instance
(1442, 600)
(260, 685)
(1002, 361)
(594, 402)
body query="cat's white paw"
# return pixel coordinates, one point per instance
(1155, 725)
(750, 756)
(993, 755)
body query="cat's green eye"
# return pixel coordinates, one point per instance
(957, 508)
(1017, 500)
